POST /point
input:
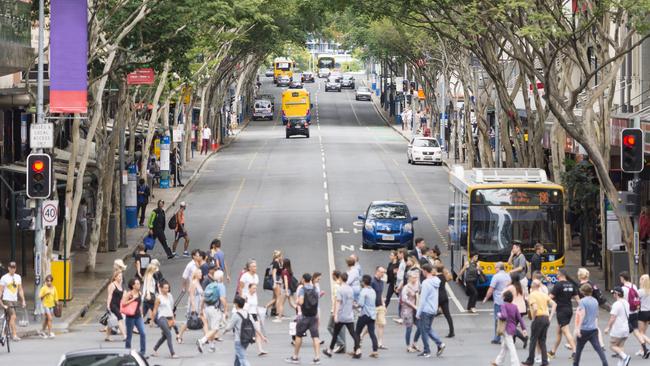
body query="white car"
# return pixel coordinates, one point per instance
(424, 150)
(262, 109)
(363, 93)
(332, 84)
(324, 73)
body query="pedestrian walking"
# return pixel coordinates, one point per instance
(150, 290)
(401, 278)
(163, 311)
(631, 295)
(277, 302)
(443, 298)
(244, 329)
(563, 292)
(194, 302)
(519, 300)
(49, 299)
(583, 278)
(289, 283)
(408, 299)
(618, 326)
(219, 258)
(344, 316)
(252, 307)
(419, 251)
(131, 307)
(11, 288)
(509, 313)
(367, 313)
(82, 221)
(115, 293)
(586, 325)
(537, 258)
(157, 227)
(181, 232)
(307, 301)
(539, 309)
(144, 192)
(470, 274)
(215, 310)
(340, 339)
(119, 266)
(142, 260)
(248, 277)
(427, 310)
(644, 310)
(377, 284)
(206, 134)
(190, 267)
(354, 277)
(499, 282)
(519, 265)
(391, 277)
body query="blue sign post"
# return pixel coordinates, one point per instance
(164, 161)
(131, 199)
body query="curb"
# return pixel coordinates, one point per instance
(64, 325)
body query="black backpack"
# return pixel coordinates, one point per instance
(172, 222)
(246, 331)
(310, 302)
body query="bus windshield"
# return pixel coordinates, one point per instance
(326, 63)
(284, 66)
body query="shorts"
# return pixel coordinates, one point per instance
(213, 317)
(633, 321)
(644, 316)
(307, 323)
(564, 316)
(11, 307)
(381, 316)
(617, 341)
(48, 311)
(180, 234)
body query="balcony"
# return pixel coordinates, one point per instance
(16, 52)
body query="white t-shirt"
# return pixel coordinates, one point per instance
(246, 280)
(207, 133)
(251, 302)
(620, 328)
(10, 284)
(189, 269)
(645, 300)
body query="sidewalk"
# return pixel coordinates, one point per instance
(86, 287)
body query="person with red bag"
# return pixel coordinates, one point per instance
(131, 307)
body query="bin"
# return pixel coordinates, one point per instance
(57, 268)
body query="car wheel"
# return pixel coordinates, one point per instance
(288, 134)
(409, 160)
(307, 135)
(365, 246)
(410, 246)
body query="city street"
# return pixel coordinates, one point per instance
(302, 196)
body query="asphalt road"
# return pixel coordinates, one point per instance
(302, 196)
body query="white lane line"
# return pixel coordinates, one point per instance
(453, 297)
(327, 197)
(325, 185)
(329, 223)
(231, 209)
(327, 208)
(330, 251)
(324, 175)
(323, 167)
(252, 160)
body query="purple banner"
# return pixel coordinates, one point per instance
(68, 56)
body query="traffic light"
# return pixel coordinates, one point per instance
(24, 214)
(632, 150)
(39, 175)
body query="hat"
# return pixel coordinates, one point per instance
(183, 204)
(618, 290)
(119, 264)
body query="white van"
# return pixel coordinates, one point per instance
(262, 109)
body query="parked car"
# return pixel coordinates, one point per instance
(332, 84)
(307, 76)
(262, 109)
(347, 81)
(424, 150)
(295, 85)
(269, 97)
(387, 224)
(283, 80)
(103, 356)
(297, 126)
(268, 73)
(324, 73)
(363, 93)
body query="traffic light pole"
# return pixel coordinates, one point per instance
(39, 230)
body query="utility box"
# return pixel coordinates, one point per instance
(619, 264)
(62, 282)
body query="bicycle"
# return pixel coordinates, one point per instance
(5, 333)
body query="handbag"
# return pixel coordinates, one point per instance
(103, 320)
(129, 309)
(58, 309)
(501, 327)
(194, 322)
(292, 327)
(268, 280)
(149, 242)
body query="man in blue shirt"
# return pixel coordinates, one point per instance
(143, 199)
(586, 325)
(427, 309)
(499, 282)
(367, 313)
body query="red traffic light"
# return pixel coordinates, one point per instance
(38, 166)
(629, 140)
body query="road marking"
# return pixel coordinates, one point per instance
(395, 161)
(328, 223)
(327, 208)
(252, 160)
(324, 185)
(327, 197)
(453, 297)
(232, 208)
(424, 208)
(330, 253)
(324, 175)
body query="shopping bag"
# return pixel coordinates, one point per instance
(292, 327)
(24, 319)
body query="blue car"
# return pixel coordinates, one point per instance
(387, 224)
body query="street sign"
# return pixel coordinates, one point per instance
(178, 133)
(41, 136)
(141, 77)
(50, 212)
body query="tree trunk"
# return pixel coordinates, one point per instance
(69, 218)
(153, 120)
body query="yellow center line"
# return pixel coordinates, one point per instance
(424, 208)
(232, 208)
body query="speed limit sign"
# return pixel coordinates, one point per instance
(50, 212)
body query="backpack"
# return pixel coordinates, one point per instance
(633, 299)
(212, 293)
(172, 222)
(597, 294)
(310, 304)
(246, 331)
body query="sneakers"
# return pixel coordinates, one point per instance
(398, 320)
(199, 345)
(422, 354)
(538, 359)
(627, 360)
(358, 356)
(646, 354)
(338, 349)
(315, 361)
(441, 349)
(327, 353)
(551, 355)
(292, 359)
(51, 335)
(374, 355)
(212, 347)
(186, 254)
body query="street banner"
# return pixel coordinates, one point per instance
(68, 56)
(141, 77)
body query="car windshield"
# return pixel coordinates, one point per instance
(100, 360)
(388, 212)
(331, 80)
(425, 143)
(263, 105)
(348, 78)
(297, 121)
(363, 89)
(324, 70)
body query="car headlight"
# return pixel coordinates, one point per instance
(370, 225)
(408, 228)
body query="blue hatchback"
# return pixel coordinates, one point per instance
(387, 224)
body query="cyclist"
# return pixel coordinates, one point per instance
(11, 288)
